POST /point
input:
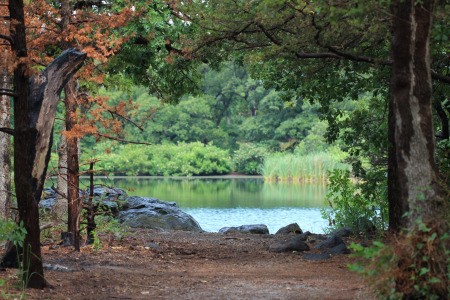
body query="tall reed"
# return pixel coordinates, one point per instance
(313, 167)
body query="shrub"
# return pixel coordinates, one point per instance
(249, 159)
(413, 266)
(183, 159)
(359, 206)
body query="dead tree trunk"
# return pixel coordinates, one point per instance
(34, 113)
(74, 200)
(60, 209)
(90, 215)
(5, 152)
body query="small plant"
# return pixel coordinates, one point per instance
(108, 228)
(413, 266)
(14, 233)
(359, 206)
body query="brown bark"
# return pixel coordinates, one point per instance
(34, 113)
(60, 209)
(74, 200)
(413, 175)
(90, 227)
(5, 153)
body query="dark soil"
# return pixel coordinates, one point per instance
(181, 265)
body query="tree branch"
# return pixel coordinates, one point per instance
(8, 38)
(126, 119)
(119, 139)
(439, 77)
(7, 92)
(7, 130)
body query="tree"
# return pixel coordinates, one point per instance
(413, 175)
(293, 42)
(5, 150)
(35, 98)
(93, 27)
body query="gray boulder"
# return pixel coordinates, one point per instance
(329, 243)
(152, 213)
(342, 232)
(255, 229)
(295, 244)
(48, 199)
(339, 249)
(290, 229)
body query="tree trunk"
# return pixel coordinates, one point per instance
(413, 176)
(71, 92)
(34, 113)
(5, 153)
(60, 209)
(90, 227)
(74, 200)
(416, 196)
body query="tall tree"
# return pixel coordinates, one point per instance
(35, 98)
(5, 139)
(414, 183)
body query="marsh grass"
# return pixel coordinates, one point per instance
(312, 167)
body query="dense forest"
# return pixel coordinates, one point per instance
(354, 94)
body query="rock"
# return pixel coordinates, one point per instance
(295, 244)
(316, 256)
(342, 232)
(56, 267)
(106, 193)
(154, 246)
(255, 229)
(151, 213)
(290, 229)
(47, 204)
(48, 193)
(339, 249)
(329, 243)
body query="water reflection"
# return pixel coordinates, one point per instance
(220, 202)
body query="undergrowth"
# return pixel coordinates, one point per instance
(414, 265)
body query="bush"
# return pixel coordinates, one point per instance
(249, 159)
(413, 266)
(361, 207)
(183, 159)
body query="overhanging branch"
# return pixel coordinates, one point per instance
(119, 139)
(7, 38)
(7, 130)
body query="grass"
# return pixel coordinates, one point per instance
(313, 167)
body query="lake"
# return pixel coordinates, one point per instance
(223, 201)
(217, 202)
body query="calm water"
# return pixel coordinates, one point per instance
(217, 202)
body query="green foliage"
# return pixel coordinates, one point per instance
(108, 228)
(359, 206)
(410, 266)
(13, 232)
(249, 158)
(183, 159)
(296, 168)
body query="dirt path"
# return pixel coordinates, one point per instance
(183, 265)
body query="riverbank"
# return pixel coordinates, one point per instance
(148, 264)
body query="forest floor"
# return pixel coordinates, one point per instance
(147, 264)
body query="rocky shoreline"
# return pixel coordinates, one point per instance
(155, 214)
